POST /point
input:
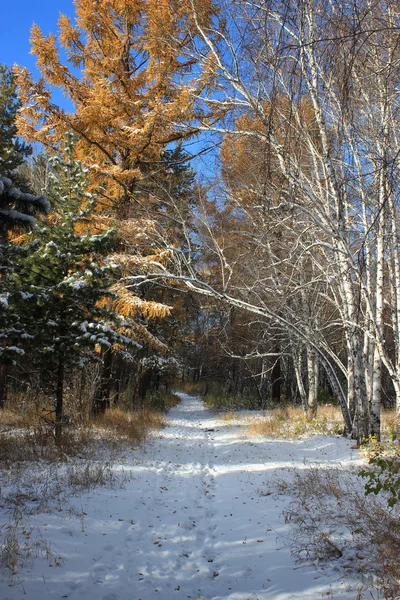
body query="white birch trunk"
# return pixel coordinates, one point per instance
(313, 376)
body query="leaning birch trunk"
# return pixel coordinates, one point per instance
(298, 364)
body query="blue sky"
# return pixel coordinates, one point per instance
(17, 17)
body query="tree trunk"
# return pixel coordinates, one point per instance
(313, 376)
(298, 364)
(118, 381)
(276, 379)
(102, 396)
(338, 392)
(360, 392)
(142, 386)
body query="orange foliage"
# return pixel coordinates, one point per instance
(134, 89)
(250, 163)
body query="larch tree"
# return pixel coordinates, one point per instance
(132, 88)
(130, 84)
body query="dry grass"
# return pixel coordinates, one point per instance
(390, 424)
(334, 522)
(132, 426)
(33, 489)
(229, 416)
(39, 477)
(25, 418)
(27, 438)
(291, 422)
(19, 544)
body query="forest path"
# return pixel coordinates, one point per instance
(198, 520)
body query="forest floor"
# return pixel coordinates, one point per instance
(196, 515)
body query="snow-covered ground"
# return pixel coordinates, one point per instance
(199, 519)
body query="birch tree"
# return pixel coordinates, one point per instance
(334, 174)
(343, 57)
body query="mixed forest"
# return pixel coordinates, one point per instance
(216, 201)
(200, 212)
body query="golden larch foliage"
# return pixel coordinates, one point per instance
(129, 78)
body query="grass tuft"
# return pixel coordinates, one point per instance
(132, 426)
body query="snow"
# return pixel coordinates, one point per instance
(18, 216)
(15, 349)
(197, 518)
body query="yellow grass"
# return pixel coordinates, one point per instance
(133, 426)
(390, 423)
(20, 416)
(291, 422)
(229, 416)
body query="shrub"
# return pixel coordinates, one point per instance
(384, 474)
(161, 400)
(223, 401)
(335, 524)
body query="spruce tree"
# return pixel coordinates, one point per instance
(17, 213)
(67, 279)
(13, 152)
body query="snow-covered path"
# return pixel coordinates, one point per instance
(197, 521)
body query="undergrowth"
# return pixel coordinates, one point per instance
(334, 523)
(196, 388)
(161, 400)
(291, 422)
(229, 402)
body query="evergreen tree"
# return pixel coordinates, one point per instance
(66, 278)
(13, 152)
(17, 212)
